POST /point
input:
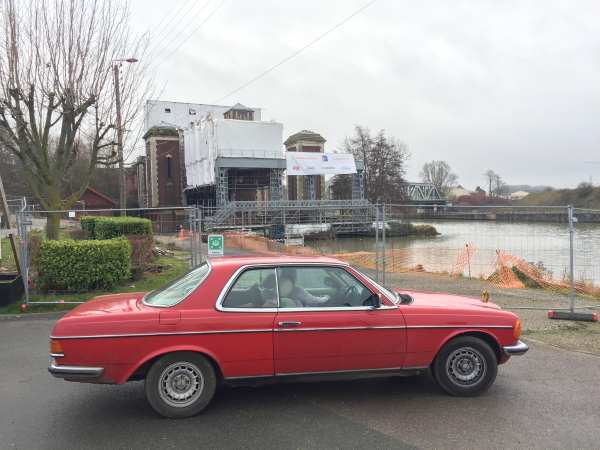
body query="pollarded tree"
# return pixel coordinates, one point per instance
(440, 174)
(56, 89)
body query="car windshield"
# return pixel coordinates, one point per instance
(176, 290)
(385, 291)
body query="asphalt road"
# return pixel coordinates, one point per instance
(547, 399)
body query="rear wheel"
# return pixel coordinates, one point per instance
(180, 384)
(465, 367)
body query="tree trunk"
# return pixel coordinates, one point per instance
(53, 225)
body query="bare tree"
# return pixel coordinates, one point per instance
(56, 88)
(385, 161)
(489, 176)
(500, 187)
(440, 174)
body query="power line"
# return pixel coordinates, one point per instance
(290, 57)
(167, 15)
(210, 15)
(182, 30)
(174, 26)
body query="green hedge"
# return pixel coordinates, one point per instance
(88, 223)
(112, 227)
(80, 266)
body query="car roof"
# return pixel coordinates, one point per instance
(241, 260)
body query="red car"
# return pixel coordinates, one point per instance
(260, 319)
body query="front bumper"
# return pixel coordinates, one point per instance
(518, 349)
(75, 372)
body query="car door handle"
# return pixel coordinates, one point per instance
(288, 324)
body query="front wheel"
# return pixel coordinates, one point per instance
(180, 384)
(465, 367)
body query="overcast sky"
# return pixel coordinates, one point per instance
(511, 86)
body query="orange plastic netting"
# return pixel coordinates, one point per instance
(495, 267)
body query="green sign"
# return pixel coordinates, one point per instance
(215, 245)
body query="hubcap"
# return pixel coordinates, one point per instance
(466, 367)
(181, 384)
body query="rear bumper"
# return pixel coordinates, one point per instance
(75, 372)
(518, 349)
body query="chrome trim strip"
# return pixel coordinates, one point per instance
(339, 329)
(183, 333)
(385, 369)
(249, 376)
(518, 349)
(207, 261)
(459, 326)
(75, 372)
(219, 303)
(336, 308)
(57, 355)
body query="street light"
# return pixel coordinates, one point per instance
(122, 201)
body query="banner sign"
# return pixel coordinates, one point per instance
(215, 245)
(303, 163)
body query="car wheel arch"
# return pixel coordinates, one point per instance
(485, 337)
(141, 369)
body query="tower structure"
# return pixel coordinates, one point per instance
(306, 187)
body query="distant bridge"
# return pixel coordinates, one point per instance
(423, 194)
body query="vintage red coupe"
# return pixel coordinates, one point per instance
(259, 319)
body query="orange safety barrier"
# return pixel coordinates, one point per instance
(183, 235)
(494, 267)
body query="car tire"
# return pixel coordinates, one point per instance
(465, 367)
(180, 384)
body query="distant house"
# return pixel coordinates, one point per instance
(458, 191)
(518, 195)
(92, 200)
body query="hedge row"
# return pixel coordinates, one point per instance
(83, 265)
(112, 227)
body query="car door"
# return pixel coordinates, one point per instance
(343, 333)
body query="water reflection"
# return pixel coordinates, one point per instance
(533, 242)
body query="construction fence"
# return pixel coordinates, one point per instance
(552, 248)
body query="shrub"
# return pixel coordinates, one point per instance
(83, 265)
(79, 235)
(112, 227)
(88, 223)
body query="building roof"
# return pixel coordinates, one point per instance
(304, 135)
(239, 107)
(93, 191)
(162, 129)
(519, 194)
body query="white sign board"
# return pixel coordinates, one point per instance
(215, 245)
(303, 163)
(71, 213)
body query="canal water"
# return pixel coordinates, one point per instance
(544, 244)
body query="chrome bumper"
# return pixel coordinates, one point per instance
(518, 349)
(75, 372)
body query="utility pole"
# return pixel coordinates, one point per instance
(122, 202)
(122, 183)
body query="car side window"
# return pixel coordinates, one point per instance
(254, 288)
(320, 287)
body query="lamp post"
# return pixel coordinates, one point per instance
(122, 197)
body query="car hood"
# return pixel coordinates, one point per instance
(436, 299)
(108, 304)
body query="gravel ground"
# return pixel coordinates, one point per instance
(581, 336)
